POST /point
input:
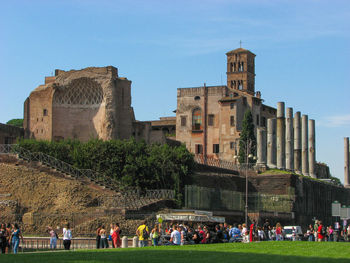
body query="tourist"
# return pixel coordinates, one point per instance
(98, 237)
(201, 234)
(67, 237)
(53, 237)
(197, 238)
(175, 237)
(207, 235)
(261, 234)
(8, 238)
(16, 234)
(183, 233)
(252, 231)
(266, 228)
(330, 233)
(272, 233)
(3, 238)
(111, 233)
(143, 233)
(310, 233)
(103, 237)
(155, 235)
(218, 237)
(234, 234)
(279, 232)
(189, 237)
(116, 236)
(245, 234)
(316, 230)
(321, 232)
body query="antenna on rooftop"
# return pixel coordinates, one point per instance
(240, 44)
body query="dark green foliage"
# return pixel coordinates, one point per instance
(16, 122)
(132, 163)
(247, 139)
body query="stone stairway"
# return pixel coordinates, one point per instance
(129, 199)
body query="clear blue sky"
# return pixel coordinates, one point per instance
(302, 48)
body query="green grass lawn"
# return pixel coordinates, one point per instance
(281, 252)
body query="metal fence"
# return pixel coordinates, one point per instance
(200, 159)
(59, 165)
(128, 199)
(135, 199)
(197, 197)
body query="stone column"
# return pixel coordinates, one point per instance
(124, 242)
(312, 149)
(289, 140)
(281, 136)
(135, 241)
(297, 143)
(346, 162)
(271, 143)
(261, 147)
(304, 146)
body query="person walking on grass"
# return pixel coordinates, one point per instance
(53, 237)
(116, 236)
(98, 237)
(143, 233)
(67, 237)
(15, 238)
(3, 240)
(103, 237)
(321, 232)
(175, 237)
(279, 236)
(155, 235)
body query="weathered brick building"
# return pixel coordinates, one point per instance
(209, 119)
(84, 104)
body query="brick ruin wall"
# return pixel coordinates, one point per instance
(9, 133)
(309, 198)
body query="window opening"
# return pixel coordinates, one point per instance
(197, 120)
(215, 148)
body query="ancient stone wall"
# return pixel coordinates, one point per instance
(81, 104)
(9, 133)
(305, 197)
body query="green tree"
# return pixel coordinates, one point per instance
(16, 122)
(247, 139)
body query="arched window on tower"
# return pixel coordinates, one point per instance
(232, 68)
(242, 66)
(240, 84)
(197, 119)
(233, 84)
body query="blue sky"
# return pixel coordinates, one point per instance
(302, 48)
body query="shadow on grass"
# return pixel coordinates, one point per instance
(162, 255)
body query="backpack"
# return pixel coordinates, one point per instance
(145, 234)
(56, 235)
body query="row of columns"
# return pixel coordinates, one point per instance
(289, 143)
(346, 162)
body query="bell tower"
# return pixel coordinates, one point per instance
(241, 70)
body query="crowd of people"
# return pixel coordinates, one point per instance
(183, 234)
(10, 236)
(102, 236)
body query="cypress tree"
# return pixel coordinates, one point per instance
(247, 138)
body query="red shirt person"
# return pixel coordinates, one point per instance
(251, 229)
(320, 235)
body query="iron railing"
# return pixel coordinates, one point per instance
(128, 199)
(134, 199)
(59, 165)
(224, 164)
